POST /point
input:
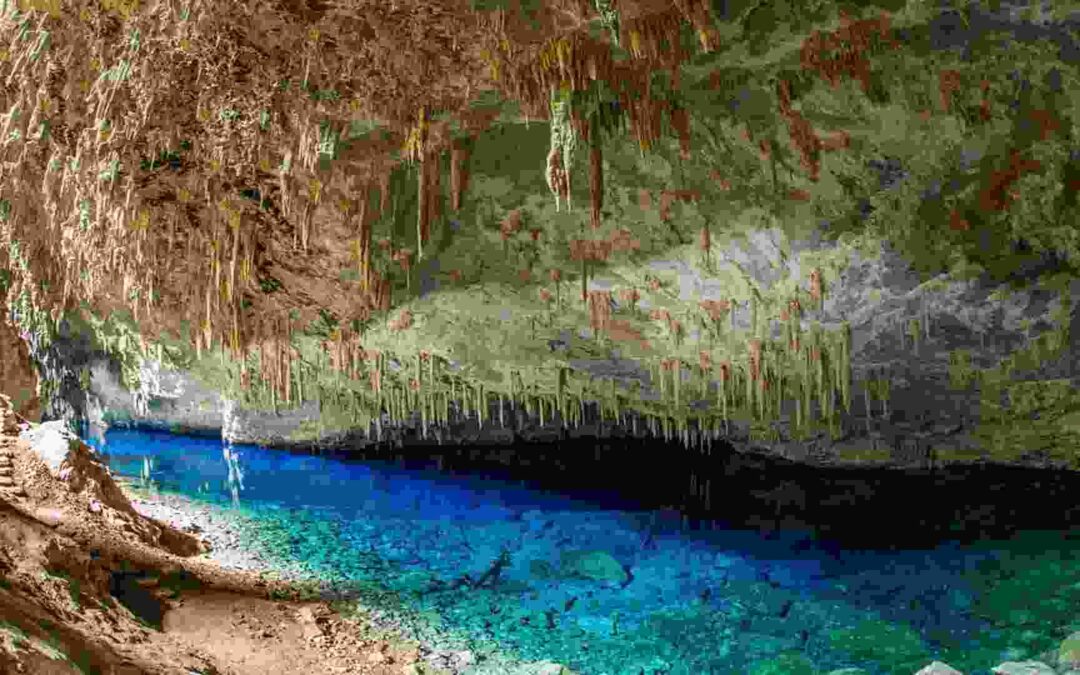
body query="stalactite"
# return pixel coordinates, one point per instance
(807, 384)
(820, 377)
(384, 191)
(458, 172)
(798, 414)
(866, 401)
(677, 373)
(363, 261)
(435, 195)
(884, 397)
(423, 204)
(596, 172)
(845, 365)
(680, 122)
(232, 261)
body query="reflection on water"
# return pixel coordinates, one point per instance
(236, 475)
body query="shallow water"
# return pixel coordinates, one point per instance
(602, 588)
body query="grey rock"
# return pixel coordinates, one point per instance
(939, 668)
(1023, 668)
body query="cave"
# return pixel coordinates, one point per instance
(567, 336)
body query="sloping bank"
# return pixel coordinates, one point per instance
(90, 583)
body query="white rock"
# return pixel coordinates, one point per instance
(463, 659)
(939, 668)
(50, 441)
(1023, 668)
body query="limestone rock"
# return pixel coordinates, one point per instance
(51, 441)
(939, 668)
(1023, 668)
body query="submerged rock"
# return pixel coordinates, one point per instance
(1069, 653)
(595, 565)
(542, 569)
(1023, 668)
(939, 668)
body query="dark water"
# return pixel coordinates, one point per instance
(593, 583)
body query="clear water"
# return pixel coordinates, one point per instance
(603, 589)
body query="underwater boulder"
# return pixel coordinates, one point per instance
(939, 668)
(1069, 653)
(542, 569)
(595, 565)
(1023, 668)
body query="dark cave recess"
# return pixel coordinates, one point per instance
(867, 508)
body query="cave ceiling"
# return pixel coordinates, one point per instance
(428, 197)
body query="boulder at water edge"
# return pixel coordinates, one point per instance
(1023, 668)
(939, 668)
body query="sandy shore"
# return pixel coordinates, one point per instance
(226, 531)
(222, 529)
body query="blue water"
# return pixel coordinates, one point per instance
(597, 587)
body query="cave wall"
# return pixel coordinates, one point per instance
(165, 399)
(925, 420)
(17, 377)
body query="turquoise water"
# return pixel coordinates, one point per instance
(601, 588)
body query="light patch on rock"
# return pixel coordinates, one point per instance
(51, 441)
(1023, 668)
(939, 668)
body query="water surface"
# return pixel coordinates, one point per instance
(603, 588)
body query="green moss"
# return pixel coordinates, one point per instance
(1042, 416)
(961, 373)
(961, 454)
(865, 454)
(306, 431)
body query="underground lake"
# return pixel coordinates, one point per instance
(604, 583)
